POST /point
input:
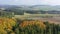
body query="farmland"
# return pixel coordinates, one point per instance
(22, 20)
(37, 15)
(54, 18)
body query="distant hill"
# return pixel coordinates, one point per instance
(45, 7)
(40, 7)
(8, 6)
(34, 7)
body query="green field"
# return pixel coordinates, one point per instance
(36, 15)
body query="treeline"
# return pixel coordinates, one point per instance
(15, 10)
(37, 27)
(52, 28)
(42, 12)
(22, 11)
(15, 26)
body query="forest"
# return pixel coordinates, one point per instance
(17, 26)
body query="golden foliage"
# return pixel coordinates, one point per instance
(31, 23)
(6, 23)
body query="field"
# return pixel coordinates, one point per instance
(36, 15)
(44, 17)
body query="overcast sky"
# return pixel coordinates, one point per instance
(30, 2)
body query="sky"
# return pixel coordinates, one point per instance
(30, 2)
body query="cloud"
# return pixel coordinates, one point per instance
(51, 2)
(31, 2)
(15, 0)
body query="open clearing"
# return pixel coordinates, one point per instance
(53, 18)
